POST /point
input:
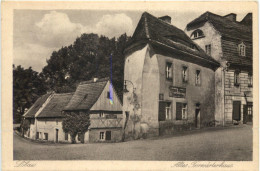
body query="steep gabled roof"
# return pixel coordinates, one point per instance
(86, 94)
(224, 26)
(155, 31)
(55, 106)
(36, 106)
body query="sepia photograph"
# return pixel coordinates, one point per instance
(144, 84)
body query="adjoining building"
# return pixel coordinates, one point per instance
(230, 43)
(170, 80)
(46, 116)
(98, 99)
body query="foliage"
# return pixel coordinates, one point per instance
(86, 58)
(28, 85)
(75, 123)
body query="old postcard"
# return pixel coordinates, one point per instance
(130, 85)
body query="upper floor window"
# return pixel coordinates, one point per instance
(168, 70)
(197, 77)
(208, 49)
(197, 34)
(236, 78)
(250, 80)
(101, 114)
(242, 49)
(185, 74)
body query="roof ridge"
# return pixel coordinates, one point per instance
(92, 81)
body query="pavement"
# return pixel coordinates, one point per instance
(222, 144)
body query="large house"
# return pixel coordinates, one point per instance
(230, 43)
(169, 80)
(46, 116)
(98, 98)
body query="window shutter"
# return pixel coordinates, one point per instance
(178, 111)
(162, 106)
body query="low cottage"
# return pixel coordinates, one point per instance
(45, 117)
(98, 99)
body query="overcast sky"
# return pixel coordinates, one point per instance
(37, 33)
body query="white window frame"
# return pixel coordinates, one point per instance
(169, 71)
(168, 111)
(250, 80)
(102, 135)
(197, 77)
(184, 111)
(185, 74)
(242, 49)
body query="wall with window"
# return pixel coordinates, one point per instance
(199, 83)
(105, 135)
(210, 42)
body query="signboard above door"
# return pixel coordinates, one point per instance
(177, 92)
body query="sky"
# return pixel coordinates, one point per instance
(37, 33)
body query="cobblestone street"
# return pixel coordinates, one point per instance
(214, 144)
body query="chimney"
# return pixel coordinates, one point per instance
(95, 80)
(166, 19)
(231, 16)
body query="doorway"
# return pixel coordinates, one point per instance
(57, 135)
(197, 118)
(236, 110)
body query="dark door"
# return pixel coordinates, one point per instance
(236, 110)
(108, 135)
(245, 114)
(197, 112)
(250, 112)
(57, 135)
(37, 135)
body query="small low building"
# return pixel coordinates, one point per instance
(45, 117)
(98, 99)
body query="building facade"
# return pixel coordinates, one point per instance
(98, 99)
(230, 43)
(170, 81)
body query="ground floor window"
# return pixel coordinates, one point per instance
(108, 135)
(181, 111)
(46, 136)
(249, 110)
(101, 135)
(164, 111)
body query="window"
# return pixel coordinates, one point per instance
(236, 78)
(168, 71)
(164, 111)
(197, 34)
(250, 80)
(161, 96)
(108, 95)
(101, 114)
(101, 135)
(208, 49)
(249, 110)
(181, 111)
(46, 136)
(66, 136)
(197, 77)
(185, 74)
(168, 111)
(242, 49)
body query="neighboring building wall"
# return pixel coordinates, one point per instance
(235, 93)
(49, 126)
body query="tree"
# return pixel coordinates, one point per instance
(75, 123)
(28, 85)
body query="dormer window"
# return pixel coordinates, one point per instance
(242, 49)
(197, 34)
